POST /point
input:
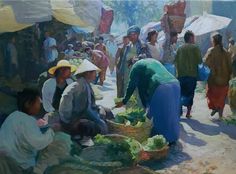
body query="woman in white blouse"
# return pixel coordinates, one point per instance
(152, 45)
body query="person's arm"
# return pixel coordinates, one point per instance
(35, 137)
(198, 54)
(133, 79)
(207, 58)
(47, 97)
(117, 56)
(52, 44)
(66, 104)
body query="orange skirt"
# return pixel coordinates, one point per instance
(216, 96)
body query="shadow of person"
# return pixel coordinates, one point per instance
(201, 127)
(175, 157)
(225, 128)
(190, 138)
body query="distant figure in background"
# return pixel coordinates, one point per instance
(219, 62)
(187, 59)
(112, 49)
(101, 60)
(11, 58)
(100, 45)
(169, 55)
(50, 49)
(120, 59)
(232, 51)
(69, 52)
(152, 45)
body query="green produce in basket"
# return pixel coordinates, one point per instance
(132, 116)
(155, 143)
(125, 151)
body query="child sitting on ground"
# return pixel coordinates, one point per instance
(20, 135)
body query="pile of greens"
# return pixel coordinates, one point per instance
(126, 151)
(132, 116)
(75, 62)
(155, 143)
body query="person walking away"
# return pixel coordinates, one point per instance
(21, 138)
(119, 69)
(159, 92)
(112, 49)
(50, 49)
(187, 59)
(153, 46)
(219, 62)
(232, 51)
(100, 45)
(101, 61)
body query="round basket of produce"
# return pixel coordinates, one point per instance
(132, 170)
(110, 152)
(131, 123)
(155, 148)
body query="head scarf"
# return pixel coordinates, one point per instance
(133, 29)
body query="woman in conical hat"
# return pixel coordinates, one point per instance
(54, 87)
(78, 111)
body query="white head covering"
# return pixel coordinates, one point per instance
(86, 66)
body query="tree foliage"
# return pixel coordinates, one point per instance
(136, 12)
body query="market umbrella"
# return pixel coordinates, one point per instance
(207, 23)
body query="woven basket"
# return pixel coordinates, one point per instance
(177, 23)
(139, 133)
(155, 154)
(133, 170)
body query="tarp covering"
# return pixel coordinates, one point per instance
(30, 11)
(23, 13)
(8, 22)
(210, 22)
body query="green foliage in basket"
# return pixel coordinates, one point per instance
(132, 116)
(126, 150)
(155, 143)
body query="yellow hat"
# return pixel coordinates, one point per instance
(86, 66)
(61, 64)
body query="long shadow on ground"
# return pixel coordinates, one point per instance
(190, 138)
(227, 129)
(201, 127)
(175, 157)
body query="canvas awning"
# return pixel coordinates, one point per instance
(17, 15)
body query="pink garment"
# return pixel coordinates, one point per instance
(100, 59)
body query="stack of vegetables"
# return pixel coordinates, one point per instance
(155, 148)
(132, 123)
(75, 61)
(110, 152)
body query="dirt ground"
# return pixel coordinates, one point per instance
(206, 145)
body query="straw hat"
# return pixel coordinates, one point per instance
(86, 66)
(61, 64)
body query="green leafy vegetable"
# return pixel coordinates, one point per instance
(155, 143)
